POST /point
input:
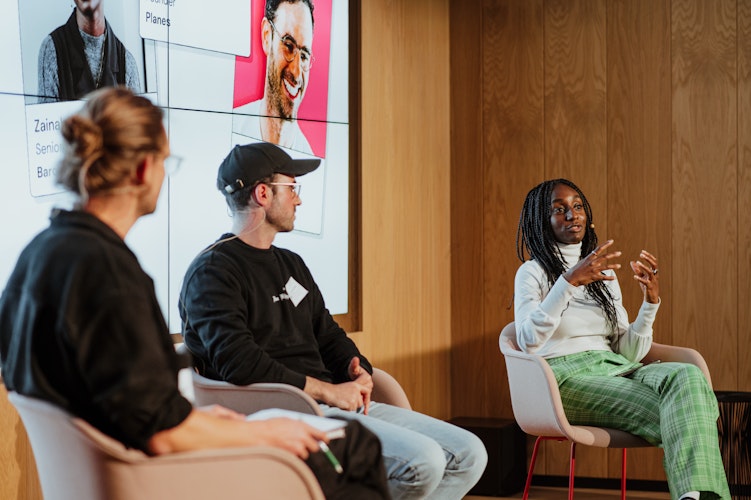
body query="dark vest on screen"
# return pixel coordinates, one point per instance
(73, 70)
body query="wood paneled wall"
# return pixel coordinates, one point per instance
(646, 105)
(406, 320)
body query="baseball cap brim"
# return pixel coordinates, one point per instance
(247, 164)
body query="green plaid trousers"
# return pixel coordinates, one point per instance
(668, 404)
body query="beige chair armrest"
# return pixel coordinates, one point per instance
(663, 352)
(386, 389)
(229, 473)
(251, 398)
(254, 397)
(247, 399)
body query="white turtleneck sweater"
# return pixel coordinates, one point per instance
(563, 319)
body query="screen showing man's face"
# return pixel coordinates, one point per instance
(286, 81)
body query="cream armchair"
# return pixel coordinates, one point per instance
(538, 410)
(76, 461)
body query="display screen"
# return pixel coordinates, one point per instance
(225, 74)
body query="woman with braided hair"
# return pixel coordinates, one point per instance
(568, 309)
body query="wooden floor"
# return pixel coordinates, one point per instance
(546, 493)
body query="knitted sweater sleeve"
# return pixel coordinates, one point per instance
(560, 319)
(538, 307)
(48, 86)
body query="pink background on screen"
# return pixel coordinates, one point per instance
(250, 73)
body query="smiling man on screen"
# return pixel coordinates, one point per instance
(287, 38)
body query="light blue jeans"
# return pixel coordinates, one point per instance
(424, 457)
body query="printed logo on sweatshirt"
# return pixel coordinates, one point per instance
(293, 291)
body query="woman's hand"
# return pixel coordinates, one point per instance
(646, 275)
(591, 267)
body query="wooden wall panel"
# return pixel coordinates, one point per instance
(575, 102)
(467, 186)
(405, 196)
(639, 135)
(744, 196)
(513, 162)
(576, 138)
(641, 101)
(512, 140)
(704, 195)
(638, 167)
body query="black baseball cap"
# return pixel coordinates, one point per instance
(247, 164)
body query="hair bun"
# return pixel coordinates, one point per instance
(85, 136)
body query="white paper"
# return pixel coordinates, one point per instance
(334, 428)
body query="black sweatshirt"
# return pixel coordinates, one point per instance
(255, 315)
(80, 326)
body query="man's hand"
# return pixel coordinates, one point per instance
(348, 396)
(362, 377)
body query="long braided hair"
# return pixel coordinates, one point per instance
(535, 236)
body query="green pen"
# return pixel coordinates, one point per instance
(330, 455)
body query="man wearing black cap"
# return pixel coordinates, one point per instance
(253, 313)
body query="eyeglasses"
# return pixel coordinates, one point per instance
(290, 49)
(293, 186)
(172, 165)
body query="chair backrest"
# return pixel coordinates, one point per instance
(76, 461)
(70, 465)
(535, 399)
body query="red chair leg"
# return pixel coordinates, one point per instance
(531, 468)
(572, 466)
(623, 475)
(534, 459)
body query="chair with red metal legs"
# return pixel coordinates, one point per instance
(538, 410)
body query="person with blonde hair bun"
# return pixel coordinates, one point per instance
(106, 142)
(81, 327)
